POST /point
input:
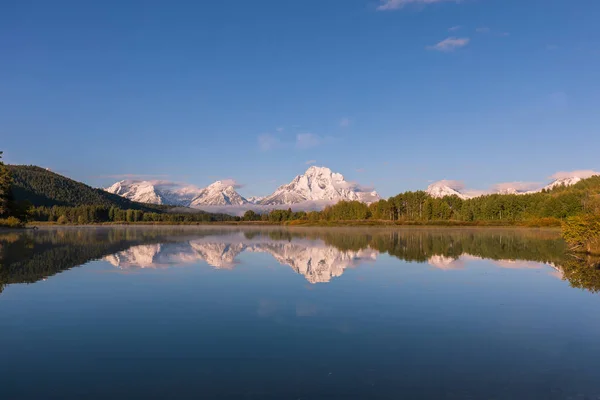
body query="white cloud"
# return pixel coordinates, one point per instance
(459, 186)
(310, 162)
(240, 210)
(345, 122)
(452, 184)
(454, 28)
(583, 174)
(450, 44)
(138, 177)
(160, 184)
(267, 142)
(387, 5)
(308, 140)
(232, 182)
(280, 129)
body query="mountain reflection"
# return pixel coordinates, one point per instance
(316, 261)
(319, 255)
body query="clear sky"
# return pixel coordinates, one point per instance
(393, 94)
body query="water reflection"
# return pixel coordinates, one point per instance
(316, 261)
(319, 255)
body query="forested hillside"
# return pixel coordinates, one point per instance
(45, 188)
(37, 194)
(559, 203)
(5, 189)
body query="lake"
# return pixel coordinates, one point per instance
(304, 313)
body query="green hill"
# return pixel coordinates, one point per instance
(46, 188)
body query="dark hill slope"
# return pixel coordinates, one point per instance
(46, 188)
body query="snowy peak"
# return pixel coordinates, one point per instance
(153, 192)
(316, 184)
(218, 194)
(445, 188)
(255, 199)
(510, 191)
(570, 181)
(319, 184)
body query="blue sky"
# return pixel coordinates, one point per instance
(392, 94)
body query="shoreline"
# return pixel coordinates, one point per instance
(293, 224)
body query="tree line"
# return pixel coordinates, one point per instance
(33, 193)
(549, 207)
(7, 203)
(100, 214)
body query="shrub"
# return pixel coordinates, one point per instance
(582, 233)
(62, 220)
(11, 222)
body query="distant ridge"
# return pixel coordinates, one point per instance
(452, 188)
(219, 193)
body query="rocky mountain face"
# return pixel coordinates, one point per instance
(218, 194)
(444, 188)
(570, 181)
(319, 184)
(511, 191)
(441, 189)
(316, 184)
(156, 192)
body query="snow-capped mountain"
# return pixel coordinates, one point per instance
(442, 188)
(218, 194)
(255, 199)
(566, 181)
(158, 192)
(154, 192)
(512, 190)
(570, 181)
(318, 184)
(312, 190)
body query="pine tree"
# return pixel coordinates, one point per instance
(5, 189)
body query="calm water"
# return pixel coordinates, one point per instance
(140, 313)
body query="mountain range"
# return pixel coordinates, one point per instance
(316, 184)
(159, 192)
(451, 188)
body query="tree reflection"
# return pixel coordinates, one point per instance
(30, 256)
